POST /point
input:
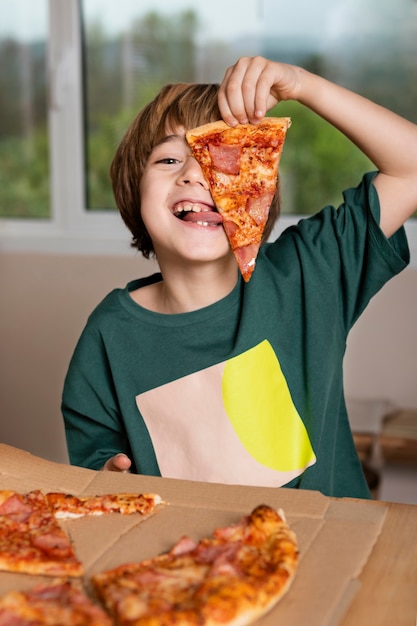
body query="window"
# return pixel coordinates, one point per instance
(74, 73)
(24, 162)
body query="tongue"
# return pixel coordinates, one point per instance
(204, 216)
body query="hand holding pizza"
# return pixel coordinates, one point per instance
(253, 85)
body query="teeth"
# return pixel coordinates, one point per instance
(192, 207)
(203, 223)
(188, 206)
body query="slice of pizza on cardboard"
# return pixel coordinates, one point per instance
(240, 165)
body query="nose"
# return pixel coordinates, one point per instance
(192, 174)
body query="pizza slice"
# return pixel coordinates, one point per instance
(229, 579)
(62, 603)
(66, 506)
(31, 539)
(241, 165)
(33, 542)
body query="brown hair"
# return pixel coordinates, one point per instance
(185, 105)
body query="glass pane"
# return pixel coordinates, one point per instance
(370, 47)
(24, 173)
(133, 48)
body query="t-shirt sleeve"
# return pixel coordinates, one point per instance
(343, 249)
(93, 427)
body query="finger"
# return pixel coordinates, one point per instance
(122, 462)
(246, 91)
(230, 98)
(263, 98)
(118, 463)
(256, 85)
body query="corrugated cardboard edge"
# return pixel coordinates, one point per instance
(40, 473)
(347, 538)
(369, 522)
(344, 603)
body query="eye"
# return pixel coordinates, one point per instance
(168, 161)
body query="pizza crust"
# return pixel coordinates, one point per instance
(281, 123)
(67, 506)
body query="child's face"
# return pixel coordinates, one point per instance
(177, 208)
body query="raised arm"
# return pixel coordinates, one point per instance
(254, 85)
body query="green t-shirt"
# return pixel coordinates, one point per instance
(248, 390)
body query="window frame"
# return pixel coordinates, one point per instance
(71, 228)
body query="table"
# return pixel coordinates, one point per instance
(383, 435)
(358, 558)
(388, 592)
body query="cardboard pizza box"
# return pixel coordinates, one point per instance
(335, 536)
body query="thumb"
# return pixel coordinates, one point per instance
(118, 463)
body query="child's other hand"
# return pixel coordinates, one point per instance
(118, 463)
(253, 85)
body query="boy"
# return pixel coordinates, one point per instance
(194, 374)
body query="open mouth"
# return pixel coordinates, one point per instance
(197, 213)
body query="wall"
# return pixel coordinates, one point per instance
(45, 302)
(381, 360)
(46, 299)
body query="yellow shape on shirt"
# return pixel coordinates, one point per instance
(259, 405)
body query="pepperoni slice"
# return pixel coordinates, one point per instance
(225, 158)
(258, 208)
(16, 507)
(246, 258)
(52, 542)
(184, 545)
(230, 227)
